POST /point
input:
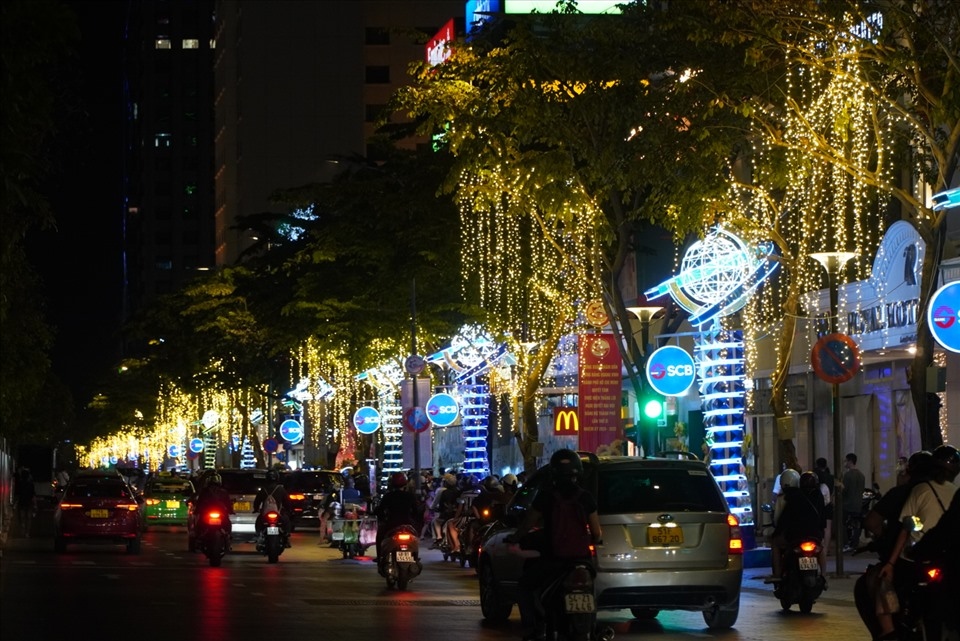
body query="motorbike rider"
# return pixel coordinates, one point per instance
(273, 488)
(928, 501)
(397, 507)
(445, 506)
(463, 513)
(213, 496)
(510, 486)
(538, 572)
(801, 515)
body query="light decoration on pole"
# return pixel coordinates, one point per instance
(386, 381)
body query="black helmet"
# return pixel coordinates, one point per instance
(273, 475)
(809, 480)
(947, 456)
(566, 463)
(920, 465)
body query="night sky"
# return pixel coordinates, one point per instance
(80, 261)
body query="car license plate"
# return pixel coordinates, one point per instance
(273, 529)
(173, 504)
(809, 563)
(99, 514)
(242, 506)
(404, 556)
(657, 535)
(579, 602)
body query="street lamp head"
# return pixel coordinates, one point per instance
(832, 261)
(645, 313)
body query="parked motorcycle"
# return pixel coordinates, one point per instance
(214, 541)
(399, 559)
(272, 539)
(800, 582)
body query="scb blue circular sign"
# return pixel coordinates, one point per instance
(670, 371)
(442, 409)
(943, 316)
(367, 420)
(173, 451)
(196, 445)
(291, 431)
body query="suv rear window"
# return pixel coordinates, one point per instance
(243, 482)
(315, 482)
(105, 489)
(631, 490)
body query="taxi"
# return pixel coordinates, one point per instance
(165, 500)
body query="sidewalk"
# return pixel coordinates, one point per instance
(839, 590)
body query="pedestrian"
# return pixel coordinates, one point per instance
(826, 487)
(24, 500)
(851, 488)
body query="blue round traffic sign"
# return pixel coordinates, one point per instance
(943, 316)
(173, 451)
(835, 358)
(270, 445)
(291, 431)
(367, 420)
(670, 371)
(196, 445)
(442, 410)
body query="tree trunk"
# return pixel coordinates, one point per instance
(786, 449)
(536, 367)
(928, 418)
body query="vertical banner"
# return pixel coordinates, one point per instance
(600, 384)
(406, 401)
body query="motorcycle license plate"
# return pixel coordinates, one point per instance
(273, 529)
(579, 603)
(808, 563)
(404, 557)
(664, 535)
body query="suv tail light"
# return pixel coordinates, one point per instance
(298, 497)
(736, 543)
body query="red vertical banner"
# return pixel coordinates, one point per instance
(600, 384)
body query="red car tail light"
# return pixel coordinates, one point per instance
(298, 497)
(132, 507)
(153, 501)
(70, 506)
(736, 543)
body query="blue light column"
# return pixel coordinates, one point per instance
(476, 413)
(391, 424)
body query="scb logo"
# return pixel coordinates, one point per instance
(670, 370)
(433, 410)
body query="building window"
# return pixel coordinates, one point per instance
(378, 75)
(162, 140)
(162, 43)
(191, 43)
(377, 36)
(213, 43)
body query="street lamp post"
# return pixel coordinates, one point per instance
(645, 314)
(833, 262)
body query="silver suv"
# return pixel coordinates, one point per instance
(669, 541)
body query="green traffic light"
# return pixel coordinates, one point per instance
(652, 408)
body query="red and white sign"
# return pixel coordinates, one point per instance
(598, 407)
(437, 49)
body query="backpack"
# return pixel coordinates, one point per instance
(270, 503)
(569, 535)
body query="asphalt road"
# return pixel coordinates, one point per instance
(167, 593)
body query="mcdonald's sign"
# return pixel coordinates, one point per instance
(566, 422)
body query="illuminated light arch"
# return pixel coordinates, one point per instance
(717, 276)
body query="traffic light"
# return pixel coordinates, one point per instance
(652, 408)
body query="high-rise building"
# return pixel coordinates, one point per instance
(299, 84)
(168, 231)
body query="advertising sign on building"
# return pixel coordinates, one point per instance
(565, 421)
(437, 46)
(599, 391)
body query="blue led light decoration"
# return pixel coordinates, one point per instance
(717, 276)
(391, 425)
(476, 413)
(721, 363)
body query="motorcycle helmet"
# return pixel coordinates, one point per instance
(789, 478)
(947, 457)
(449, 480)
(566, 463)
(809, 480)
(398, 480)
(273, 475)
(492, 484)
(509, 481)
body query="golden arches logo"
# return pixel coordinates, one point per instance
(565, 421)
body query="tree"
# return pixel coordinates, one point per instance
(568, 132)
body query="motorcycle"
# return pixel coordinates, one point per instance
(570, 608)
(214, 541)
(928, 602)
(475, 532)
(800, 582)
(272, 539)
(399, 559)
(346, 528)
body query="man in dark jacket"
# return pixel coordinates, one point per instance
(397, 507)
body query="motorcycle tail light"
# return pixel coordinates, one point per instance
(272, 516)
(404, 537)
(593, 551)
(486, 513)
(736, 543)
(213, 518)
(808, 546)
(580, 578)
(934, 574)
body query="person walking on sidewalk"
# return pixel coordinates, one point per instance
(851, 488)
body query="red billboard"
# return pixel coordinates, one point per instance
(437, 50)
(600, 385)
